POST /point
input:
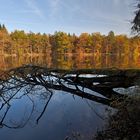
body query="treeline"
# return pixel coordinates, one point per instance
(21, 43)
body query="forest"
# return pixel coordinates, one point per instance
(19, 43)
(70, 87)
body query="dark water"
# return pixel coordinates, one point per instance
(64, 116)
(25, 115)
(31, 113)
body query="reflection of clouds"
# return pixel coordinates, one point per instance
(130, 90)
(59, 96)
(60, 112)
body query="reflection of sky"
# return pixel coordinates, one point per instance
(68, 15)
(64, 115)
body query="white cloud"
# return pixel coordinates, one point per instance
(34, 8)
(55, 7)
(116, 2)
(17, 22)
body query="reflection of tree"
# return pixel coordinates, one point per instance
(22, 81)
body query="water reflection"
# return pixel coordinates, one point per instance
(74, 61)
(37, 95)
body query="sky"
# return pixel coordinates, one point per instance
(70, 16)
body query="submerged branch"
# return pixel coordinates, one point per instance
(80, 82)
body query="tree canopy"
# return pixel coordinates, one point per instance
(22, 43)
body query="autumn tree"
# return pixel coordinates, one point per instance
(20, 42)
(84, 43)
(122, 44)
(45, 43)
(74, 42)
(5, 42)
(110, 46)
(62, 43)
(97, 40)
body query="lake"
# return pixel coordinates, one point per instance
(39, 100)
(73, 61)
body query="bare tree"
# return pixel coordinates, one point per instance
(136, 20)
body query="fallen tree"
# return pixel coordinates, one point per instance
(83, 83)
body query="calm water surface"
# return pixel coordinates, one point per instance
(76, 61)
(65, 115)
(27, 115)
